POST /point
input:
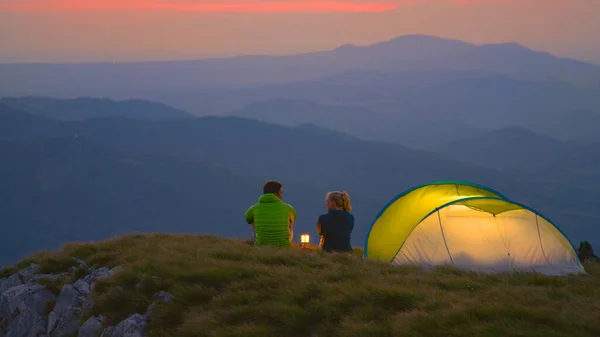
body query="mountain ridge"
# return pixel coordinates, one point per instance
(149, 79)
(82, 108)
(395, 40)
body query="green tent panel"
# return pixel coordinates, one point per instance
(469, 226)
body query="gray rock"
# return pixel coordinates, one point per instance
(80, 265)
(28, 323)
(27, 273)
(80, 262)
(108, 332)
(21, 277)
(22, 310)
(82, 287)
(115, 270)
(92, 327)
(133, 326)
(11, 299)
(70, 306)
(98, 274)
(164, 296)
(73, 302)
(38, 300)
(9, 282)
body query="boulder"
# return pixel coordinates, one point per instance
(22, 310)
(97, 274)
(133, 326)
(92, 327)
(70, 306)
(164, 296)
(161, 296)
(9, 282)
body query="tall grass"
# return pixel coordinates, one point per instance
(228, 288)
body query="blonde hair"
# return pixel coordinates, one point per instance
(340, 199)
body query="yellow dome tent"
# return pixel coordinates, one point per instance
(471, 227)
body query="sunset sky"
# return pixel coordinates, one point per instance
(134, 30)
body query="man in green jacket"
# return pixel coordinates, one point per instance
(272, 219)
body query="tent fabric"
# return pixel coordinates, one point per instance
(470, 227)
(401, 215)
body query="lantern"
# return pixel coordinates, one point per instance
(304, 240)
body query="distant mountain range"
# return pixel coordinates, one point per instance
(89, 179)
(360, 122)
(423, 131)
(510, 148)
(536, 157)
(196, 86)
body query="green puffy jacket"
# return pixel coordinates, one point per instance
(272, 218)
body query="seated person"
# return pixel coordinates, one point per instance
(272, 220)
(335, 227)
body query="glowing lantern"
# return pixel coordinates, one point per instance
(304, 240)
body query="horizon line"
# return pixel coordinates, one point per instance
(214, 58)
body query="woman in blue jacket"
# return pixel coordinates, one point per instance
(335, 227)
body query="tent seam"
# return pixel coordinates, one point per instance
(537, 224)
(444, 237)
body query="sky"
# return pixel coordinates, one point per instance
(144, 30)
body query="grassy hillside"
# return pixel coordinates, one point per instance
(228, 288)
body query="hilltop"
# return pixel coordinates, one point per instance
(211, 286)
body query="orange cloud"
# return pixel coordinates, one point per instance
(262, 6)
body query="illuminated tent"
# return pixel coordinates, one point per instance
(471, 227)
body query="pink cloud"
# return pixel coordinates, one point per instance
(263, 6)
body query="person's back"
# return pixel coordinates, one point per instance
(271, 218)
(335, 227)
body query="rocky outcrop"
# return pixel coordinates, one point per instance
(73, 303)
(22, 277)
(22, 310)
(28, 308)
(133, 326)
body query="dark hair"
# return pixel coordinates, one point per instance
(272, 186)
